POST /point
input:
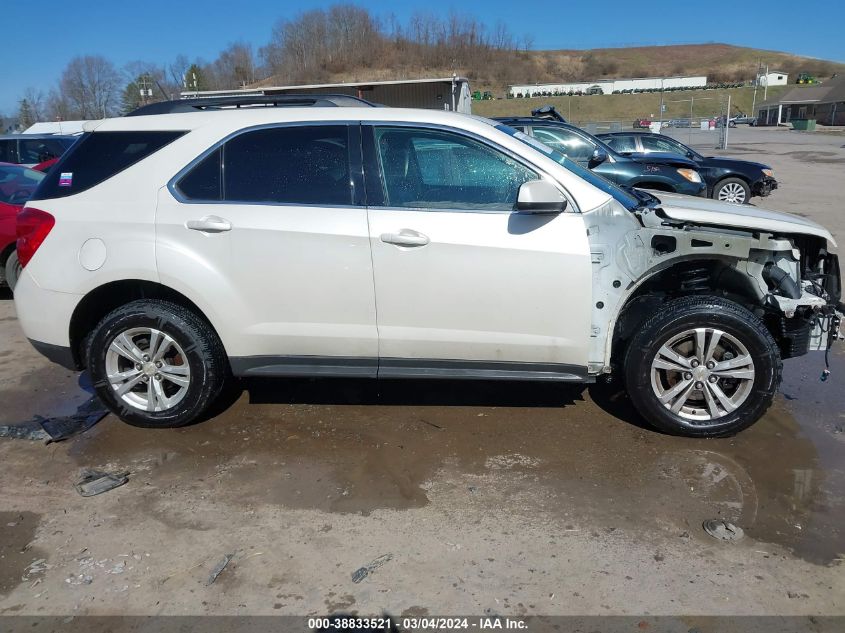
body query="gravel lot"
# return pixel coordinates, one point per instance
(509, 499)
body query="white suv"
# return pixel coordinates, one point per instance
(167, 253)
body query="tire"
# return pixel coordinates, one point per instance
(13, 270)
(173, 387)
(651, 374)
(733, 190)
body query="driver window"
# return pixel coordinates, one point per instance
(434, 169)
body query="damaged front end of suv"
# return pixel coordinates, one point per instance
(775, 266)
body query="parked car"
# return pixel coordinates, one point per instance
(17, 184)
(166, 253)
(728, 179)
(46, 165)
(31, 149)
(720, 121)
(662, 172)
(744, 119)
(642, 124)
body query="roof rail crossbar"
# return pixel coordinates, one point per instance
(220, 103)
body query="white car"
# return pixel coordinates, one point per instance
(167, 253)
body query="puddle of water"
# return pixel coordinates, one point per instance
(350, 446)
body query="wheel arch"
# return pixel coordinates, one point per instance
(733, 176)
(683, 277)
(103, 299)
(4, 253)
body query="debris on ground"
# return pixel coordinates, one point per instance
(368, 569)
(218, 569)
(58, 428)
(79, 579)
(87, 415)
(95, 482)
(722, 530)
(26, 431)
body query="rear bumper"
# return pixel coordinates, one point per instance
(44, 317)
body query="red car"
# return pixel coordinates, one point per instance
(46, 165)
(639, 124)
(17, 184)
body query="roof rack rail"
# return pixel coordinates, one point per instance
(219, 103)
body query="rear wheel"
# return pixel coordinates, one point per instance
(702, 367)
(13, 270)
(733, 190)
(156, 364)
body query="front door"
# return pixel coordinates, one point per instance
(465, 286)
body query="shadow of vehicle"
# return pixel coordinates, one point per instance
(413, 392)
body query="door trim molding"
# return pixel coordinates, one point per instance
(355, 367)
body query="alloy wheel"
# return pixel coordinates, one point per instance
(702, 375)
(147, 369)
(732, 192)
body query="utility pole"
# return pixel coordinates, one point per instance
(661, 103)
(766, 85)
(756, 83)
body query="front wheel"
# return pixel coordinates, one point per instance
(702, 367)
(732, 190)
(156, 364)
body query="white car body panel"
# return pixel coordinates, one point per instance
(488, 286)
(297, 280)
(745, 216)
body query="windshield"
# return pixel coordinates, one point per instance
(625, 198)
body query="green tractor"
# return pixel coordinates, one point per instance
(477, 95)
(806, 78)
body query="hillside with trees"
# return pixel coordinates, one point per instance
(349, 43)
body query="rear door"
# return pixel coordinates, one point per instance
(270, 230)
(466, 287)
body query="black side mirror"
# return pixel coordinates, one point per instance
(598, 157)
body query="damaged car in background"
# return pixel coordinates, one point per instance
(489, 254)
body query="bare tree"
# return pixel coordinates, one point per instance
(91, 87)
(57, 107)
(234, 67)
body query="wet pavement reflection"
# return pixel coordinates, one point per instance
(568, 453)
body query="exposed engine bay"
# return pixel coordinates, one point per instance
(641, 259)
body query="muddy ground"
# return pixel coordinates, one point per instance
(490, 498)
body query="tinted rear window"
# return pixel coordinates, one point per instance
(98, 156)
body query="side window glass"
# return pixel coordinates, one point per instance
(622, 144)
(567, 143)
(38, 150)
(204, 181)
(431, 169)
(7, 153)
(653, 144)
(295, 165)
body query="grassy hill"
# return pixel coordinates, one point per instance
(627, 107)
(720, 62)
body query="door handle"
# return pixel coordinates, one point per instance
(405, 237)
(209, 224)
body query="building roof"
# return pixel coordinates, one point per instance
(259, 89)
(608, 81)
(831, 91)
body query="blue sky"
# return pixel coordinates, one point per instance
(40, 38)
